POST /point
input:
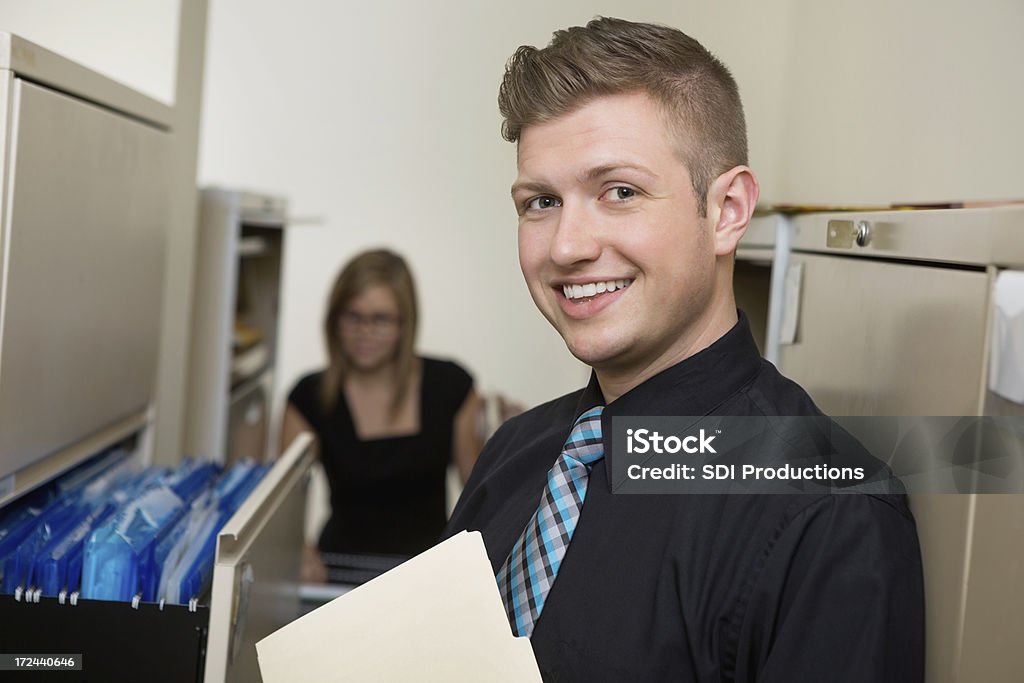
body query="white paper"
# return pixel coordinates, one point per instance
(1006, 364)
(791, 303)
(438, 617)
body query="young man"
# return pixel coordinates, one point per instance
(632, 194)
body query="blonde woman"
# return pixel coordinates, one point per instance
(387, 422)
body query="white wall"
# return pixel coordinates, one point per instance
(127, 40)
(379, 123)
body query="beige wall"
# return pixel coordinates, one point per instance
(754, 40)
(917, 100)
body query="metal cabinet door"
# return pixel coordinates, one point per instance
(886, 338)
(81, 274)
(892, 338)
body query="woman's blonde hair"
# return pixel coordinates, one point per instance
(368, 269)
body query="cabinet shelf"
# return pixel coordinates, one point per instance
(249, 363)
(251, 246)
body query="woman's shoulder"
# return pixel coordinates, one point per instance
(446, 376)
(444, 368)
(307, 389)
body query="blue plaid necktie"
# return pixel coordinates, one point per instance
(531, 567)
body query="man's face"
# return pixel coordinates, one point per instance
(610, 242)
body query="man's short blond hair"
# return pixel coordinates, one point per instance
(612, 56)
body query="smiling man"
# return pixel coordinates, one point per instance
(632, 194)
(603, 198)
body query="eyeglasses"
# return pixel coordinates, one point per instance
(378, 324)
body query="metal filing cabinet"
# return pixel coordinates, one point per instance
(893, 318)
(235, 315)
(84, 208)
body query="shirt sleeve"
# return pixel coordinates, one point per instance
(840, 597)
(305, 396)
(455, 382)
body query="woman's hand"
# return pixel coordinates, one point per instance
(313, 568)
(466, 442)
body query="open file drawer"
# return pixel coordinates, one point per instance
(254, 592)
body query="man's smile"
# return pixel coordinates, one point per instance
(584, 298)
(584, 292)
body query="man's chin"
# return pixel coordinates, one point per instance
(596, 355)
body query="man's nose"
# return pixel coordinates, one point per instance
(575, 239)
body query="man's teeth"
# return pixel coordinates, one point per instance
(593, 288)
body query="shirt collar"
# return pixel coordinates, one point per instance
(694, 386)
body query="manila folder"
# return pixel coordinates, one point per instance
(436, 617)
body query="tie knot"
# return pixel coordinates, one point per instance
(584, 443)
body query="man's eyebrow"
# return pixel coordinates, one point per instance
(606, 169)
(586, 176)
(529, 186)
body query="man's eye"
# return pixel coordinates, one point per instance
(543, 202)
(620, 193)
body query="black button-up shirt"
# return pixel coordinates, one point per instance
(768, 588)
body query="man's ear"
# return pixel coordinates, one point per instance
(731, 200)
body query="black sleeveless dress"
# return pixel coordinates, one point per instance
(387, 495)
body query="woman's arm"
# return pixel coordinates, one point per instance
(292, 425)
(466, 435)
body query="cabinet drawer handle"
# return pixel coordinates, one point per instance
(842, 234)
(863, 234)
